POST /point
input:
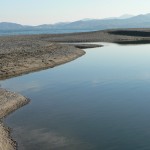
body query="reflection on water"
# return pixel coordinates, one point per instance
(100, 101)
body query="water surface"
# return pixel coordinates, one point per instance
(100, 101)
(39, 31)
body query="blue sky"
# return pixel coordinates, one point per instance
(33, 12)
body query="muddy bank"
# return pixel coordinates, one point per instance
(9, 102)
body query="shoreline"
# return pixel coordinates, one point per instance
(19, 59)
(21, 54)
(24, 54)
(30, 58)
(9, 102)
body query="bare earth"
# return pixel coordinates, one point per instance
(24, 54)
(9, 102)
(114, 36)
(19, 57)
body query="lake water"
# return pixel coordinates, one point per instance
(38, 31)
(100, 101)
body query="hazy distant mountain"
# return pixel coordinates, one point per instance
(143, 18)
(125, 16)
(7, 26)
(140, 21)
(87, 19)
(56, 25)
(124, 21)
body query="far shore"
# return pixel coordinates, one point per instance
(27, 53)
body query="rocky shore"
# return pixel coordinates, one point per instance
(9, 102)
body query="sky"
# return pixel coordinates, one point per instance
(35, 12)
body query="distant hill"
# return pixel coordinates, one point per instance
(125, 21)
(7, 26)
(125, 16)
(13, 26)
(56, 25)
(140, 21)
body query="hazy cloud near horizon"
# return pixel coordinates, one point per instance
(35, 12)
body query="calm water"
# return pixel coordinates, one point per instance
(38, 31)
(100, 101)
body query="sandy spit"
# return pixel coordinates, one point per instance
(9, 102)
(21, 56)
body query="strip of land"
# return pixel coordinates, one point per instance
(22, 57)
(27, 53)
(113, 36)
(9, 102)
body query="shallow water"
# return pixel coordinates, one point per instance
(100, 101)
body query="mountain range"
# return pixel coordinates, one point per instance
(125, 21)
